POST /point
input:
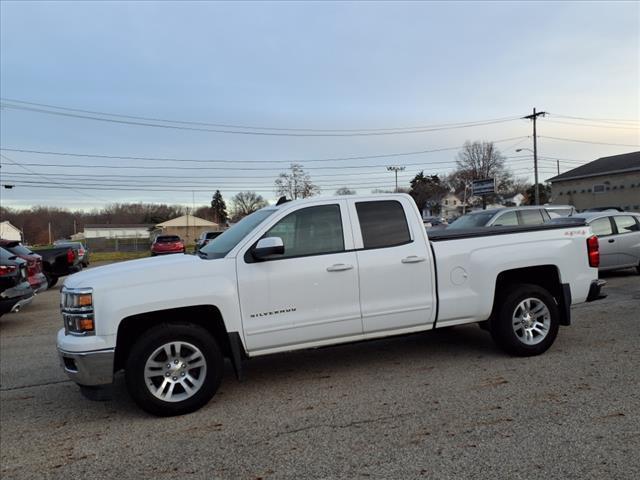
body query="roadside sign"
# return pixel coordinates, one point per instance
(484, 187)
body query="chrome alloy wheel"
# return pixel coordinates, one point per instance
(175, 371)
(531, 321)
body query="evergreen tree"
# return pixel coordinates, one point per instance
(219, 209)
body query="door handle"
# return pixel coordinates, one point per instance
(611, 240)
(339, 267)
(413, 259)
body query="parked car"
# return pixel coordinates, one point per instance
(81, 248)
(36, 276)
(619, 235)
(204, 238)
(165, 244)
(311, 273)
(15, 291)
(434, 222)
(507, 216)
(602, 209)
(58, 262)
(560, 210)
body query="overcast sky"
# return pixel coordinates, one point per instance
(327, 66)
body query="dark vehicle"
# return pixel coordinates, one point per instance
(434, 222)
(165, 244)
(36, 277)
(83, 251)
(498, 217)
(205, 238)
(15, 291)
(58, 262)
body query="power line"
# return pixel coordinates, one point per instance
(250, 127)
(299, 160)
(360, 176)
(258, 133)
(592, 119)
(48, 179)
(588, 141)
(592, 125)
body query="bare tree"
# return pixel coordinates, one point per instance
(345, 191)
(479, 160)
(296, 184)
(245, 203)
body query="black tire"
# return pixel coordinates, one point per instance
(155, 338)
(502, 327)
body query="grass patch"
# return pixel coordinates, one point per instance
(115, 256)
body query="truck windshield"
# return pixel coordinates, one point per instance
(473, 220)
(223, 244)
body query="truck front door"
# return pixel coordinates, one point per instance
(309, 293)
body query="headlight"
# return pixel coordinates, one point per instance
(76, 306)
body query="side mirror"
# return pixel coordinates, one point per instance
(267, 247)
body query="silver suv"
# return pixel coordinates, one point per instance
(495, 217)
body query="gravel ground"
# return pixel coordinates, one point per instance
(435, 405)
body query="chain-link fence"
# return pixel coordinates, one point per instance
(118, 244)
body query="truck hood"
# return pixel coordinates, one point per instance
(142, 271)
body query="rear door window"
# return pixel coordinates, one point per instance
(382, 224)
(601, 227)
(531, 217)
(626, 224)
(509, 218)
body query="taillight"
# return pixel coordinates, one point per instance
(71, 256)
(593, 250)
(7, 269)
(81, 251)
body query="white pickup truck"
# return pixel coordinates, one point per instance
(312, 273)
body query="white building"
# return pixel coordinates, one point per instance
(10, 232)
(118, 231)
(187, 227)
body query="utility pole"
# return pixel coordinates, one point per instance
(535, 151)
(395, 169)
(50, 234)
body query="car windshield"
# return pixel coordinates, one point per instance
(473, 220)
(168, 239)
(224, 243)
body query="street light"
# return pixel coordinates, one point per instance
(395, 169)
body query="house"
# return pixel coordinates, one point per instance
(513, 199)
(606, 182)
(454, 204)
(187, 227)
(10, 232)
(114, 230)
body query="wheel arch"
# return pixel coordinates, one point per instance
(545, 276)
(207, 316)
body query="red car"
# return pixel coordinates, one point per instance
(164, 244)
(36, 276)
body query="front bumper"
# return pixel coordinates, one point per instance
(88, 368)
(595, 290)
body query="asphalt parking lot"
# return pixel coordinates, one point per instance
(436, 405)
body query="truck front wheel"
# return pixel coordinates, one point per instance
(526, 322)
(174, 369)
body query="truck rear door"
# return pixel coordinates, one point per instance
(394, 262)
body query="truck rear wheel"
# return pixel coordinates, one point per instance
(174, 369)
(526, 322)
